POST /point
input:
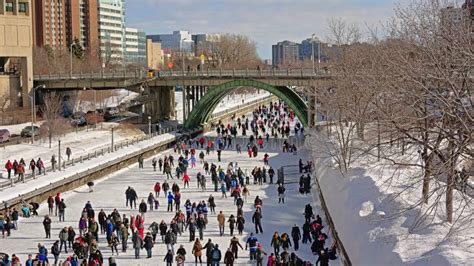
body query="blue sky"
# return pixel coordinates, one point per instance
(265, 21)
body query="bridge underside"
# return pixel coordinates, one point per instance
(201, 113)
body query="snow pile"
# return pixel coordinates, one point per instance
(371, 210)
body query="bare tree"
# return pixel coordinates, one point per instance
(231, 51)
(54, 124)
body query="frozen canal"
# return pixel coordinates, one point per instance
(109, 193)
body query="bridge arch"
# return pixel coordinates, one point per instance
(205, 106)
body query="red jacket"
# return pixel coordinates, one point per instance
(9, 166)
(157, 187)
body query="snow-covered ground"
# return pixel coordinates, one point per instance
(371, 210)
(109, 194)
(44, 180)
(81, 144)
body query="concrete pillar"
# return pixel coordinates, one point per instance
(193, 97)
(184, 103)
(188, 105)
(201, 92)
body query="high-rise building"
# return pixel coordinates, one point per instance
(82, 23)
(57, 23)
(285, 52)
(135, 47)
(50, 23)
(16, 52)
(112, 30)
(309, 48)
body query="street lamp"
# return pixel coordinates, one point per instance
(149, 126)
(33, 108)
(312, 52)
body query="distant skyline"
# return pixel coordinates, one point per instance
(264, 21)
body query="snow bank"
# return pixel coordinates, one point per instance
(365, 209)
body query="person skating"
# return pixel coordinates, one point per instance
(9, 167)
(296, 235)
(257, 220)
(142, 208)
(229, 258)
(47, 226)
(55, 251)
(216, 256)
(260, 255)
(234, 246)
(148, 244)
(124, 236)
(62, 210)
(285, 241)
(240, 224)
(137, 244)
(63, 236)
(221, 221)
(114, 241)
(281, 193)
(170, 240)
(276, 243)
(209, 247)
(181, 253)
(323, 259)
(169, 258)
(154, 228)
(251, 245)
(197, 251)
(231, 222)
(170, 201)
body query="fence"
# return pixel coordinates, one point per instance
(91, 155)
(81, 178)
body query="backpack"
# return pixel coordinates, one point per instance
(216, 254)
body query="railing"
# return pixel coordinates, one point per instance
(220, 73)
(91, 155)
(80, 175)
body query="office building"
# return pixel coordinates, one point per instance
(112, 31)
(135, 47)
(178, 40)
(309, 48)
(16, 51)
(285, 52)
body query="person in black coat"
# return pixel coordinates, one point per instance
(148, 244)
(296, 235)
(257, 220)
(47, 226)
(142, 208)
(169, 258)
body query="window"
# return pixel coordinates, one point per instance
(22, 7)
(9, 6)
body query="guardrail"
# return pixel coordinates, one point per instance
(78, 176)
(340, 246)
(234, 73)
(91, 155)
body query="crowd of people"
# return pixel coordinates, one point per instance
(190, 219)
(18, 168)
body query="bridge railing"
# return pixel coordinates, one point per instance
(231, 73)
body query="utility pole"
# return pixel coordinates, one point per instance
(112, 144)
(59, 155)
